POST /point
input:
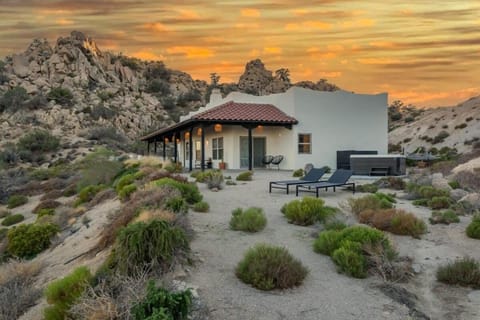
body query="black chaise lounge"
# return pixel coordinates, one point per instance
(312, 176)
(339, 178)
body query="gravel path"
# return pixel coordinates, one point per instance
(325, 294)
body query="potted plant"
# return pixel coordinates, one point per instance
(222, 165)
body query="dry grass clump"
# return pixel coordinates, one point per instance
(52, 195)
(31, 188)
(396, 221)
(101, 196)
(250, 220)
(17, 290)
(53, 184)
(152, 197)
(147, 215)
(369, 202)
(464, 272)
(47, 204)
(146, 162)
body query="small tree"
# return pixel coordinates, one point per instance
(215, 78)
(61, 95)
(13, 99)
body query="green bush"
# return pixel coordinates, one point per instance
(98, 168)
(440, 137)
(334, 224)
(177, 205)
(428, 192)
(61, 96)
(162, 304)
(268, 267)
(369, 187)
(3, 233)
(27, 240)
(307, 211)
(245, 176)
(62, 294)
(126, 191)
(249, 220)
(174, 168)
(87, 194)
(347, 247)
(123, 181)
(454, 184)
(473, 229)
(155, 244)
(444, 217)
(437, 203)
(421, 202)
(13, 219)
(14, 99)
(202, 176)
(298, 173)
(327, 169)
(464, 272)
(189, 190)
(214, 180)
(371, 201)
(38, 141)
(16, 201)
(201, 206)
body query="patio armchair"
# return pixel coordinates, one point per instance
(339, 178)
(267, 160)
(276, 161)
(313, 176)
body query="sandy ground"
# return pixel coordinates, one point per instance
(325, 294)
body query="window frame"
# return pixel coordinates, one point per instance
(216, 148)
(300, 145)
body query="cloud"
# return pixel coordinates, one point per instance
(382, 44)
(247, 25)
(308, 26)
(272, 50)
(250, 13)
(330, 74)
(188, 15)
(299, 12)
(377, 60)
(191, 52)
(64, 22)
(155, 27)
(317, 53)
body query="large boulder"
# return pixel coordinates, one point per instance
(439, 182)
(472, 199)
(20, 65)
(457, 194)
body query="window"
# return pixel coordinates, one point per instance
(304, 143)
(198, 150)
(217, 148)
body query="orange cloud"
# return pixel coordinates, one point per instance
(331, 74)
(358, 23)
(272, 50)
(382, 44)
(250, 13)
(299, 12)
(308, 25)
(191, 52)
(188, 15)
(320, 54)
(147, 55)
(155, 27)
(377, 60)
(64, 22)
(247, 26)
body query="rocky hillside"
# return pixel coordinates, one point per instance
(429, 129)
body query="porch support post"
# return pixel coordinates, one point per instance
(190, 150)
(203, 149)
(175, 148)
(250, 146)
(164, 150)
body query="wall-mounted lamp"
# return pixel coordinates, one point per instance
(217, 127)
(199, 131)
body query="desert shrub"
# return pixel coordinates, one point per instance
(4, 213)
(27, 240)
(105, 95)
(124, 180)
(173, 167)
(444, 217)
(98, 168)
(177, 205)
(126, 191)
(230, 183)
(18, 291)
(13, 219)
(473, 229)
(14, 99)
(38, 141)
(386, 197)
(214, 180)
(201, 206)
(461, 126)
(149, 245)
(249, 220)
(421, 202)
(368, 187)
(87, 193)
(267, 267)
(371, 201)
(298, 173)
(353, 257)
(62, 294)
(307, 211)
(428, 192)
(394, 220)
(464, 272)
(439, 203)
(159, 303)
(159, 87)
(201, 176)
(334, 223)
(327, 169)
(45, 212)
(52, 195)
(47, 204)
(440, 137)
(8, 155)
(16, 201)
(245, 176)
(189, 190)
(392, 183)
(454, 184)
(61, 96)
(108, 135)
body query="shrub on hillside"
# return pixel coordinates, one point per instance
(473, 229)
(371, 201)
(13, 219)
(87, 194)
(368, 187)
(126, 191)
(201, 206)
(464, 272)
(61, 96)
(45, 212)
(62, 294)
(98, 168)
(348, 248)
(437, 203)
(245, 176)
(454, 184)
(16, 201)
(47, 204)
(392, 183)
(440, 137)
(159, 303)
(14, 99)
(307, 211)
(177, 205)
(27, 240)
(444, 217)
(189, 190)
(249, 220)
(38, 141)
(215, 180)
(395, 221)
(149, 245)
(267, 267)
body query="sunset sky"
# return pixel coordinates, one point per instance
(424, 52)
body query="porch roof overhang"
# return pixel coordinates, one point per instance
(230, 113)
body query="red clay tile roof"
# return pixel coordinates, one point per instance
(235, 111)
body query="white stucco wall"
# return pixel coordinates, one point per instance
(336, 121)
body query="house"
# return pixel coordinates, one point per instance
(303, 125)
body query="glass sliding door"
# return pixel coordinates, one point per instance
(259, 151)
